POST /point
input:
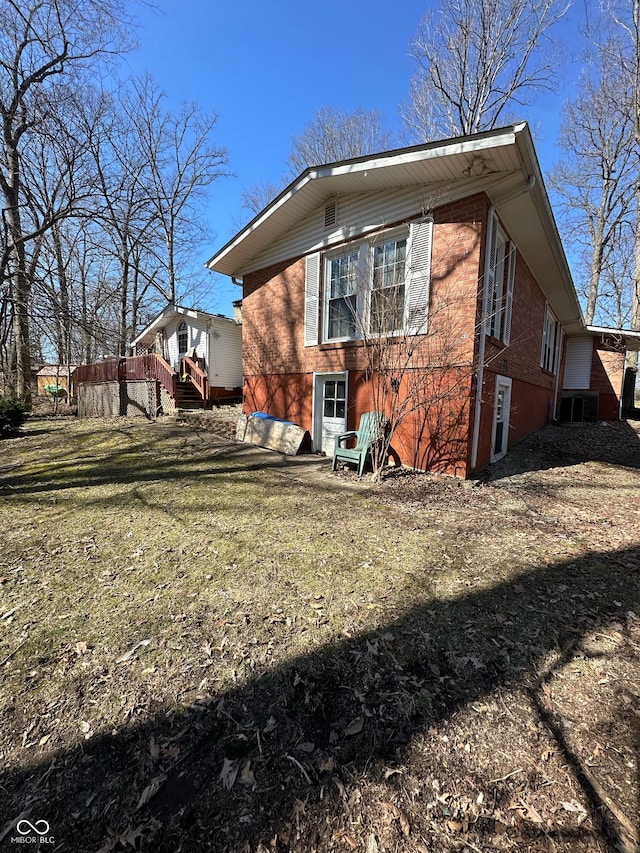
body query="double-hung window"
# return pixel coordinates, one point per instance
(500, 277)
(377, 286)
(342, 296)
(183, 338)
(388, 286)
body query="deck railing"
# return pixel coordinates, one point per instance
(195, 372)
(151, 366)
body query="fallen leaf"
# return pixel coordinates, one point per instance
(354, 727)
(270, 725)
(154, 749)
(229, 773)
(405, 826)
(128, 655)
(399, 815)
(342, 835)
(43, 740)
(247, 777)
(389, 772)
(328, 765)
(572, 806)
(131, 835)
(151, 790)
(372, 844)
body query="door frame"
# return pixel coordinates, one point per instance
(316, 404)
(504, 382)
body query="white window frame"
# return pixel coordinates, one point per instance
(365, 251)
(392, 236)
(494, 320)
(342, 252)
(180, 330)
(550, 347)
(500, 268)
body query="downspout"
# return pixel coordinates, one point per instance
(563, 339)
(481, 347)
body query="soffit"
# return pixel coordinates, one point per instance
(472, 162)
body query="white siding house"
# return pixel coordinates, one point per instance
(213, 341)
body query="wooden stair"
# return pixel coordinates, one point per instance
(187, 396)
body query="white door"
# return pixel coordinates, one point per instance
(330, 410)
(500, 432)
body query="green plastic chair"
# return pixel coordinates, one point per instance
(366, 436)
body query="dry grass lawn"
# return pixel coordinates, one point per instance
(203, 649)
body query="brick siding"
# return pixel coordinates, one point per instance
(279, 369)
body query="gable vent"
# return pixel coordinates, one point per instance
(330, 213)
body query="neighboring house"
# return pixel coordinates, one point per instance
(183, 359)
(56, 380)
(213, 341)
(459, 237)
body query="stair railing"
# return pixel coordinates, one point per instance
(197, 375)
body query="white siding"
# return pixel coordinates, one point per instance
(197, 329)
(357, 214)
(577, 369)
(225, 353)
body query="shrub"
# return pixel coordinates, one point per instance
(13, 413)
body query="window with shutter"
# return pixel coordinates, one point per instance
(499, 282)
(311, 299)
(550, 350)
(418, 277)
(379, 286)
(508, 301)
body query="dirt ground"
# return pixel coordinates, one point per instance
(203, 649)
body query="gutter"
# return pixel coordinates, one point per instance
(482, 346)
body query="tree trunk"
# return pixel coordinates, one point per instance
(20, 292)
(632, 357)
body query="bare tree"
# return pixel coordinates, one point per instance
(335, 135)
(596, 180)
(181, 162)
(625, 51)
(476, 61)
(332, 135)
(43, 43)
(124, 210)
(258, 196)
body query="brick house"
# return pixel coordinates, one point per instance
(458, 237)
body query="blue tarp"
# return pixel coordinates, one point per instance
(267, 417)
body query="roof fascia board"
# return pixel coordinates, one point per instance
(167, 312)
(397, 157)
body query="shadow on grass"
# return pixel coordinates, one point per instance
(141, 462)
(295, 724)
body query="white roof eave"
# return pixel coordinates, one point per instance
(318, 183)
(527, 215)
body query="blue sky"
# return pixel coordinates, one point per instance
(266, 66)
